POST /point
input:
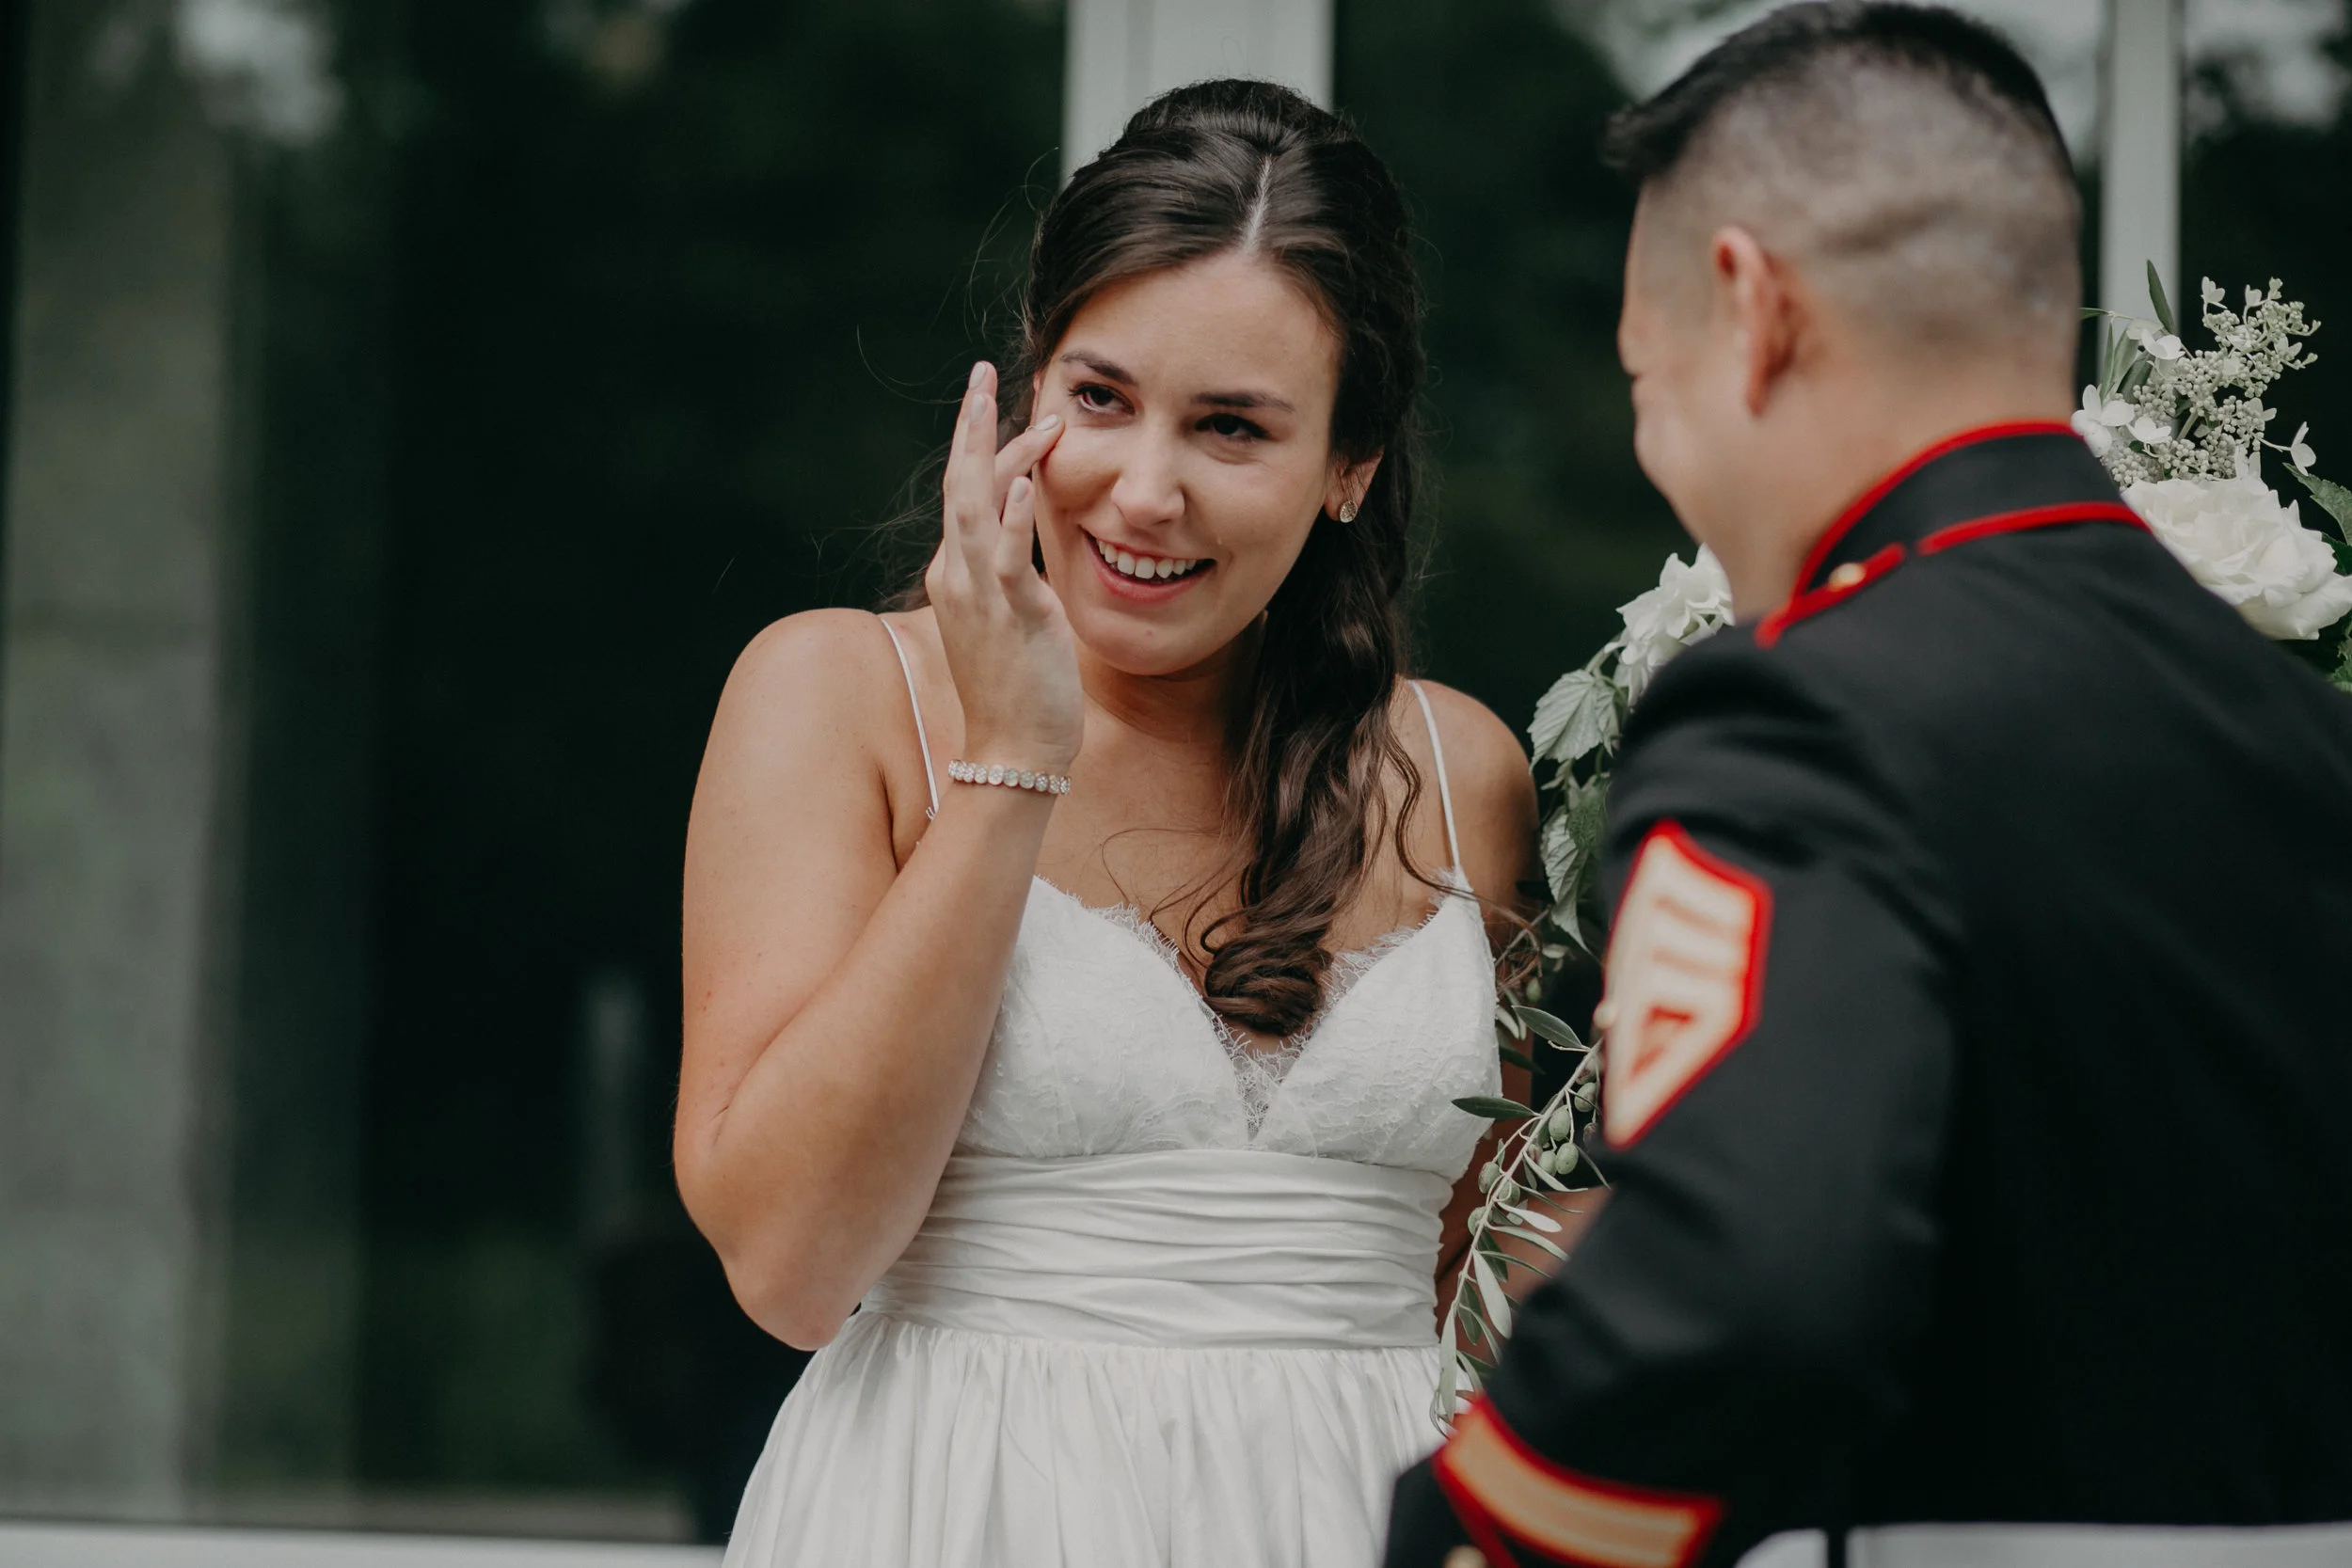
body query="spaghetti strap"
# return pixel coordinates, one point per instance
(1445, 790)
(931, 779)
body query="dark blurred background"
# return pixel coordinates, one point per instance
(590, 338)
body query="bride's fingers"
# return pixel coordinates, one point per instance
(959, 443)
(935, 575)
(967, 487)
(1015, 567)
(1026, 452)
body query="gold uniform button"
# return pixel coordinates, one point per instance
(1846, 576)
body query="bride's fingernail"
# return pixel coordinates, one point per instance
(978, 371)
(1048, 423)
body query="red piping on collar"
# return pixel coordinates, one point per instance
(2032, 516)
(1815, 600)
(1877, 493)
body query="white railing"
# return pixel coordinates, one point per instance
(44, 1546)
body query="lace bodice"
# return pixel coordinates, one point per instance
(1103, 1046)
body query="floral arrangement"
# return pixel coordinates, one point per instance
(2182, 431)
(1576, 732)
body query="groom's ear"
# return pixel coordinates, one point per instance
(1760, 302)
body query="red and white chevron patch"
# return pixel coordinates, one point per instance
(1685, 978)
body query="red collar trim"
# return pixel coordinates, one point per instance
(2032, 516)
(1815, 600)
(1877, 493)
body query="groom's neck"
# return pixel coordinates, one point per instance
(1825, 440)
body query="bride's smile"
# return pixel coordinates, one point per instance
(1196, 459)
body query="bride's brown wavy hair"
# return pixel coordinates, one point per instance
(1248, 165)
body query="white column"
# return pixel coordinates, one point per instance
(111, 773)
(2139, 217)
(1124, 51)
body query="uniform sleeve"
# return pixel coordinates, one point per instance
(1778, 1072)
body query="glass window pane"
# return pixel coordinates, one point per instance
(422, 401)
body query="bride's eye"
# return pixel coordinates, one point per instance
(1095, 398)
(1232, 426)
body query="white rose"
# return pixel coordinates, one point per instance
(2237, 538)
(1689, 604)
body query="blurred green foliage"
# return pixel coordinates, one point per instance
(1490, 112)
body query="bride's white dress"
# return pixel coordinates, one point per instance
(1173, 1301)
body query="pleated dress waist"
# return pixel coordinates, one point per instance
(1182, 1248)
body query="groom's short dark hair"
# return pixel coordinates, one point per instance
(1907, 153)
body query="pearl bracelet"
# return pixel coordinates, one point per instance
(1011, 777)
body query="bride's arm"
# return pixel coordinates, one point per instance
(837, 1006)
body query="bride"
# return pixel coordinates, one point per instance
(1078, 971)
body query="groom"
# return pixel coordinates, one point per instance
(1978, 1064)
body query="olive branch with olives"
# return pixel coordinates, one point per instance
(1518, 1185)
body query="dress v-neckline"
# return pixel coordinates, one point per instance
(1259, 1072)
(1353, 965)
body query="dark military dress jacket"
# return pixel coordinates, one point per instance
(1978, 1064)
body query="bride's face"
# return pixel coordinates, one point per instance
(1197, 457)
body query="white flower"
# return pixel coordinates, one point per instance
(2159, 343)
(1689, 604)
(2099, 417)
(2237, 538)
(2298, 453)
(2211, 291)
(2152, 431)
(2109, 411)
(2253, 297)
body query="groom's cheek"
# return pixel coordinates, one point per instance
(1661, 442)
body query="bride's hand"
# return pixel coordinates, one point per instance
(1009, 643)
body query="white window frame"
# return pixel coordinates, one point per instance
(2140, 187)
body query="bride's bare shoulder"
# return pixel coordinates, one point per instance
(814, 727)
(827, 675)
(835, 658)
(1494, 790)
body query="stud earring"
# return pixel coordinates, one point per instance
(1347, 512)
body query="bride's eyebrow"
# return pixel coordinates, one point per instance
(1246, 400)
(1101, 367)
